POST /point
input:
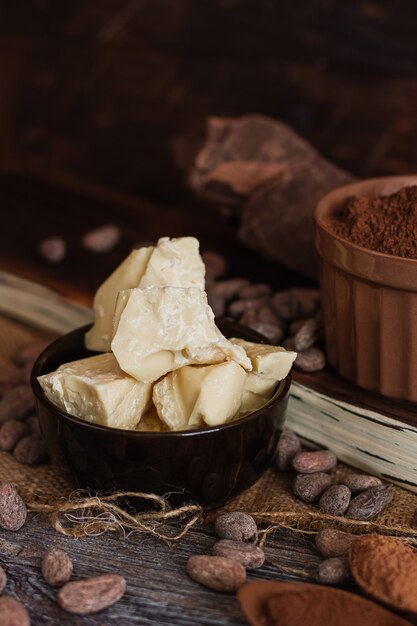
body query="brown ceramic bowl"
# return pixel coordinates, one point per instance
(369, 301)
(207, 465)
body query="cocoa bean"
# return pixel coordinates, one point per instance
(247, 554)
(29, 352)
(56, 567)
(370, 502)
(310, 360)
(217, 303)
(238, 526)
(288, 344)
(16, 403)
(11, 433)
(3, 579)
(295, 326)
(309, 487)
(9, 377)
(216, 264)
(26, 372)
(31, 450)
(53, 249)
(331, 542)
(13, 613)
(316, 461)
(250, 292)
(216, 572)
(335, 500)
(288, 446)
(12, 508)
(267, 314)
(272, 332)
(307, 335)
(33, 424)
(91, 595)
(295, 304)
(242, 307)
(227, 289)
(334, 571)
(360, 482)
(309, 300)
(102, 239)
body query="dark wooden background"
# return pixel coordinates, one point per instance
(103, 88)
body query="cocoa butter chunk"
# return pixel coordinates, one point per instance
(331, 542)
(311, 462)
(13, 613)
(334, 571)
(247, 554)
(16, 403)
(309, 487)
(31, 450)
(216, 572)
(370, 502)
(288, 446)
(238, 526)
(335, 500)
(56, 567)
(91, 595)
(12, 508)
(3, 579)
(360, 482)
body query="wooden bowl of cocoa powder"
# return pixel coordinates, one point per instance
(366, 236)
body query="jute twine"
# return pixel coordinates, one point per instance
(270, 501)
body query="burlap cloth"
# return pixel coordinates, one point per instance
(270, 500)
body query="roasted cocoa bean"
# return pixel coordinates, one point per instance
(217, 303)
(309, 487)
(3, 579)
(295, 326)
(335, 500)
(31, 450)
(56, 567)
(370, 502)
(12, 508)
(296, 303)
(267, 315)
(307, 335)
(250, 292)
(216, 572)
(13, 613)
(288, 446)
(9, 377)
(11, 433)
(53, 249)
(216, 264)
(308, 299)
(228, 289)
(16, 403)
(29, 352)
(247, 554)
(245, 307)
(334, 571)
(91, 595)
(288, 344)
(33, 424)
(331, 542)
(102, 239)
(272, 332)
(310, 360)
(360, 482)
(238, 526)
(310, 462)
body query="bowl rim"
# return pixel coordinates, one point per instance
(279, 395)
(328, 205)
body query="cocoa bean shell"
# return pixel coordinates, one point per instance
(247, 554)
(370, 502)
(217, 572)
(88, 596)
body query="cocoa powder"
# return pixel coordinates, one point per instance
(385, 224)
(290, 604)
(387, 569)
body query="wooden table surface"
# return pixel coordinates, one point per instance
(159, 591)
